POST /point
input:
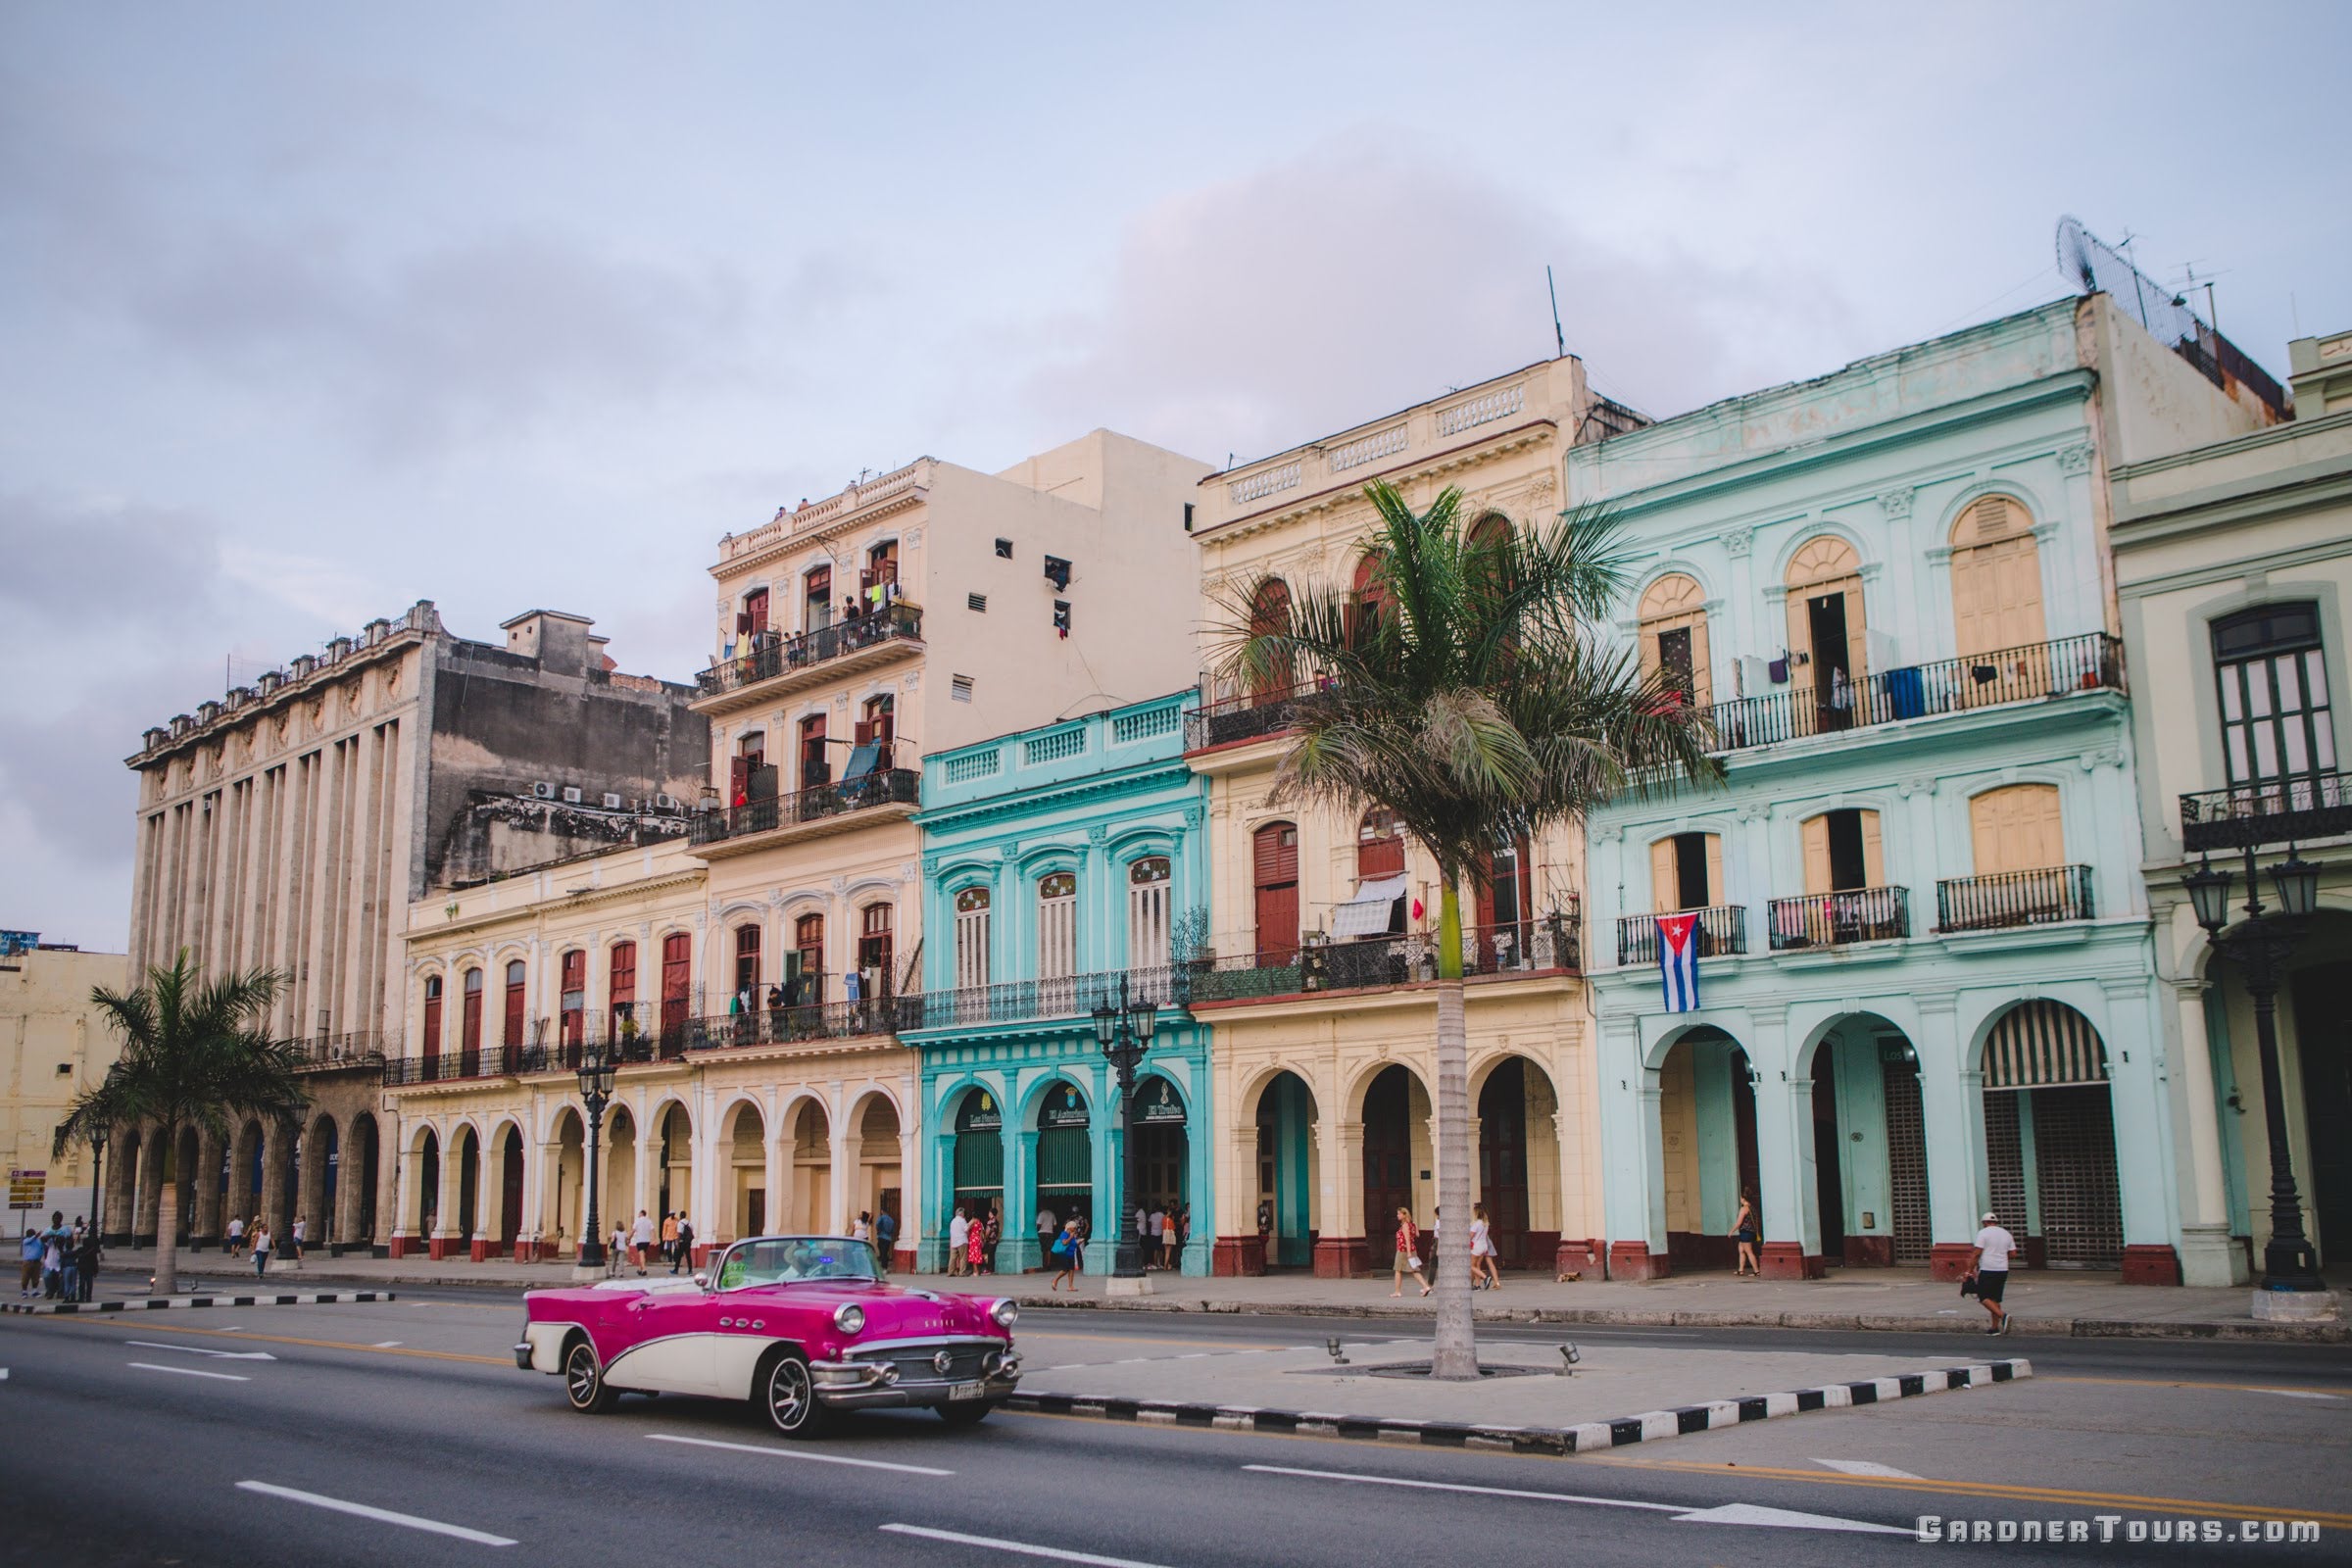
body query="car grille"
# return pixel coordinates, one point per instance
(915, 1365)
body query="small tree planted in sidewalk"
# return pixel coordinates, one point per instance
(1462, 689)
(196, 1053)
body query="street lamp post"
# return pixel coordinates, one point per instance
(2259, 946)
(597, 1066)
(1124, 1033)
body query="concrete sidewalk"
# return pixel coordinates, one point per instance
(2065, 1303)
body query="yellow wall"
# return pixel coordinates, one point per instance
(47, 1022)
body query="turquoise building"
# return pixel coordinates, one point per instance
(1063, 869)
(1926, 977)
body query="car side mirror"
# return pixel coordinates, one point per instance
(703, 1280)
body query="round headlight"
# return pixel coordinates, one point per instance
(1003, 1313)
(849, 1317)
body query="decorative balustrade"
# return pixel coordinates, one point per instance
(450, 1066)
(1722, 929)
(897, 785)
(2316, 806)
(1833, 919)
(1369, 448)
(2094, 662)
(1073, 996)
(2002, 899)
(1263, 483)
(1546, 945)
(1248, 716)
(779, 656)
(1484, 408)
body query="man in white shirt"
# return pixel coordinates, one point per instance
(1988, 1266)
(641, 1237)
(960, 1238)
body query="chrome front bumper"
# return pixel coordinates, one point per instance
(873, 1384)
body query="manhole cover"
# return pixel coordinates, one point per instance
(1418, 1369)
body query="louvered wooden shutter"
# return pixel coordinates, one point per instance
(1817, 854)
(1714, 869)
(1665, 888)
(1874, 856)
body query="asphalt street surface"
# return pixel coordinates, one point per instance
(400, 1433)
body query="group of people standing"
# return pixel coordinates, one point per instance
(1486, 1274)
(972, 1240)
(258, 1239)
(60, 1263)
(633, 1243)
(1160, 1232)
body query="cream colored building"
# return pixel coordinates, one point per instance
(2233, 564)
(55, 1045)
(1324, 1060)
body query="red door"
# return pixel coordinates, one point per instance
(620, 988)
(515, 1008)
(677, 972)
(1276, 847)
(575, 996)
(469, 1039)
(432, 1019)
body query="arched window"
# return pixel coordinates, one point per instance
(1379, 844)
(878, 584)
(433, 1017)
(1274, 875)
(1685, 872)
(747, 961)
(754, 612)
(816, 598)
(1368, 595)
(2276, 720)
(874, 947)
(1148, 913)
(1270, 613)
(2017, 828)
(1843, 853)
(572, 1018)
(971, 937)
(677, 985)
(1674, 636)
(1826, 632)
(1491, 529)
(878, 725)
(469, 1018)
(621, 981)
(1996, 580)
(1057, 926)
(517, 1005)
(747, 779)
(815, 768)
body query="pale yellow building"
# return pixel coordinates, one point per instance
(1319, 990)
(55, 1045)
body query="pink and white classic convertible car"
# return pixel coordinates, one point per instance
(802, 1325)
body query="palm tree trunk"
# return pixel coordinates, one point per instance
(1456, 1338)
(167, 1221)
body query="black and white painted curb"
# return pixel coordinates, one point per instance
(155, 1303)
(1589, 1437)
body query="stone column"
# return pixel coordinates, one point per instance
(1951, 1091)
(931, 1251)
(1239, 1248)
(2146, 1161)
(1786, 1173)
(1017, 1254)
(849, 1180)
(1343, 1251)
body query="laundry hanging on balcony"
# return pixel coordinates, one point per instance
(1372, 912)
(862, 761)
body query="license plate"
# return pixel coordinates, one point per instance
(968, 1391)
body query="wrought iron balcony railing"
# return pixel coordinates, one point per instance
(1073, 996)
(778, 655)
(2007, 899)
(450, 1066)
(1722, 929)
(1833, 920)
(2089, 662)
(324, 1052)
(1248, 716)
(896, 786)
(1546, 945)
(785, 1026)
(2316, 806)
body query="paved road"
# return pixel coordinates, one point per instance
(142, 1448)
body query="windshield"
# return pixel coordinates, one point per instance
(781, 1260)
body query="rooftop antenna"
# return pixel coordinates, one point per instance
(1557, 336)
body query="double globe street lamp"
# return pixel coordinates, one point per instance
(2260, 944)
(597, 1066)
(1124, 1033)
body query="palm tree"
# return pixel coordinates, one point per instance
(194, 1054)
(1462, 691)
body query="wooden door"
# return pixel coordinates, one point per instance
(1996, 578)
(1275, 865)
(2017, 828)
(677, 972)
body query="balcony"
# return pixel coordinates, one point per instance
(1250, 716)
(809, 814)
(1721, 930)
(1074, 995)
(2090, 663)
(781, 666)
(325, 1053)
(2006, 899)
(2316, 806)
(452, 1066)
(1549, 945)
(1836, 920)
(792, 1026)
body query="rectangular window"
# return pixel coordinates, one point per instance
(575, 1013)
(2277, 724)
(971, 938)
(620, 987)
(1148, 913)
(874, 947)
(1058, 926)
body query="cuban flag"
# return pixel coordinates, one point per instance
(1677, 960)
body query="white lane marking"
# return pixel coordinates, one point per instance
(3, 1374)
(1456, 1486)
(1732, 1513)
(1022, 1547)
(1867, 1467)
(1755, 1513)
(799, 1453)
(380, 1516)
(190, 1372)
(2296, 1393)
(384, 1345)
(198, 1350)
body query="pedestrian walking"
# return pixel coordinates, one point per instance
(669, 1240)
(261, 1249)
(1988, 1271)
(975, 1248)
(886, 1240)
(1408, 1253)
(72, 1270)
(54, 1241)
(641, 1237)
(685, 1246)
(300, 1235)
(959, 1233)
(1744, 1227)
(863, 1228)
(618, 1251)
(29, 1271)
(1049, 1227)
(236, 1236)
(989, 1235)
(1481, 1251)
(87, 1272)
(1065, 1255)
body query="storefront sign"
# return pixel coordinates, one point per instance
(981, 1114)
(1063, 1108)
(1157, 1101)
(26, 1187)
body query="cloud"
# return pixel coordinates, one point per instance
(68, 563)
(1366, 275)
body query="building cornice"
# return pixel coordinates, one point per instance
(1421, 466)
(553, 903)
(1047, 798)
(328, 673)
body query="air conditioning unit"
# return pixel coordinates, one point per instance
(545, 792)
(611, 801)
(666, 802)
(571, 795)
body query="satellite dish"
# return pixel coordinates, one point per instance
(2095, 267)
(2074, 254)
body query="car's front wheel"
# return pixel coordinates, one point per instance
(966, 1412)
(790, 1396)
(584, 1379)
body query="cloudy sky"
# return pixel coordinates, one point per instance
(307, 311)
